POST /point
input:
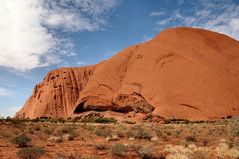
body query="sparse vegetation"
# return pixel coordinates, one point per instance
(48, 130)
(102, 120)
(118, 150)
(104, 132)
(31, 153)
(7, 133)
(21, 140)
(100, 146)
(148, 153)
(68, 156)
(190, 138)
(70, 130)
(199, 155)
(123, 140)
(235, 131)
(142, 133)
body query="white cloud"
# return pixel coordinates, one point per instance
(219, 16)
(28, 29)
(4, 92)
(154, 14)
(9, 110)
(163, 22)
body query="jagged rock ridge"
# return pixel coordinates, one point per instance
(181, 73)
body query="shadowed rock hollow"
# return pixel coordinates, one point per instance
(181, 73)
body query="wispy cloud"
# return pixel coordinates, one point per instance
(154, 14)
(29, 29)
(4, 92)
(219, 16)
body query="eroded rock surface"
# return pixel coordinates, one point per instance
(181, 73)
(56, 96)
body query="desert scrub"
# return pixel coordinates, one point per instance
(17, 123)
(100, 146)
(31, 153)
(37, 128)
(68, 156)
(190, 139)
(100, 120)
(199, 155)
(118, 150)
(235, 131)
(7, 133)
(69, 130)
(147, 153)
(158, 131)
(48, 130)
(141, 133)
(21, 140)
(103, 131)
(32, 129)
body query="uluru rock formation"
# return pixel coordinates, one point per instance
(184, 73)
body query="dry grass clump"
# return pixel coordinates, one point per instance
(140, 133)
(31, 153)
(149, 153)
(68, 156)
(103, 131)
(69, 131)
(118, 150)
(48, 130)
(199, 154)
(183, 152)
(223, 150)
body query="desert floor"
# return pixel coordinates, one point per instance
(103, 139)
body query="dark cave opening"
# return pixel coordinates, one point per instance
(80, 108)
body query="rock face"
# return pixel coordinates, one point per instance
(57, 94)
(181, 73)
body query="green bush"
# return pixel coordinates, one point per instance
(31, 153)
(21, 140)
(118, 150)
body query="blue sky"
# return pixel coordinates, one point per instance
(40, 35)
